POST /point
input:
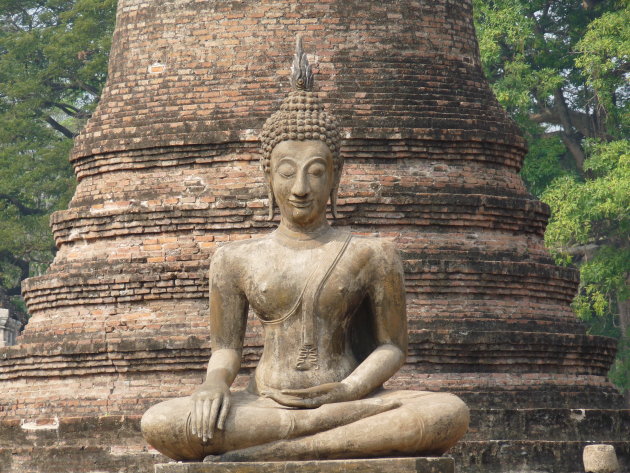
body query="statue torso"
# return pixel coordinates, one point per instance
(274, 273)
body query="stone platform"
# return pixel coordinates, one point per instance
(375, 465)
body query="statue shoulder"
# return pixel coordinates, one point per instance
(230, 255)
(383, 252)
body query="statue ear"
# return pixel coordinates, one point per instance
(272, 200)
(272, 203)
(334, 191)
(333, 200)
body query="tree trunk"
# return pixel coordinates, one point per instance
(624, 323)
(624, 316)
(569, 137)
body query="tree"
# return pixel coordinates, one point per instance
(53, 64)
(561, 68)
(559, 64)
(591, 227)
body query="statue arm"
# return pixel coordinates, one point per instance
(387, 300)
(228, 319)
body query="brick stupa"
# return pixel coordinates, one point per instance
(167, 169)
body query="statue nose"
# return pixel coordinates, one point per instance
(300, 186)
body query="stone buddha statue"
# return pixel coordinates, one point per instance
(332, 305)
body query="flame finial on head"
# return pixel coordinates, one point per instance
(301, 72)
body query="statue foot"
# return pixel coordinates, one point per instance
(228, 457)
(308, 422)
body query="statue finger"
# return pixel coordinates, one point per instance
(291, 401)
(225, 408)
(204, 419)
(212, 418)
(286, 399)
(312, 392)
(192, 418)
(300, 393)
(282, 398)
(196, 423)
(314, 402)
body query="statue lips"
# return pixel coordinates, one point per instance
(301, 204)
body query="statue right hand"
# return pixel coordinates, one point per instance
(211, 404)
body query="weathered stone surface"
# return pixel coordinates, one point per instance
(600, 459)
(382, 465)
(75, 445)
(528, 456)
(550, 424)
(9, 328)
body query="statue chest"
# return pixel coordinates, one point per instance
(277, 286)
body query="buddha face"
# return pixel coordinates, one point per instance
(301, 175)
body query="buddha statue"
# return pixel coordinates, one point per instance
(332, 306)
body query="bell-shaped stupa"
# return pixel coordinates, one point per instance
(167, 170)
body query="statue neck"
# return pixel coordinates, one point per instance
(303, 238)
(304, 233)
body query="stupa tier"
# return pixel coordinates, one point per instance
(168, 170)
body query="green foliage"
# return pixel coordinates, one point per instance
(53, 64)
(54, 55)
(528, 54)
(591, 222)
(596, 209)
(620, 371)
(545, 162)
(527, 49)
(604, 58)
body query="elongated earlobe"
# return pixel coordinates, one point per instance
(333, 201)
(271, 204)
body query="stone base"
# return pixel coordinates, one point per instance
(375, 465)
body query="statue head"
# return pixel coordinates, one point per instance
(302, 118)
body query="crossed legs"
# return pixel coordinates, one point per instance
(258, 429)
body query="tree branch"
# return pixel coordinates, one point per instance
(546, 115)
(589, 4)
(59, 127)
(582, 122)
(87, 87)
(575, 149)
(23, 209)
(68, 109)
(76, 84)
(582, 251)
(560, 114)
(623, 304)
(588, 250)
(22, 265)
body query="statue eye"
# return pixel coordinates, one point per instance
(285, 170)
(317, 170)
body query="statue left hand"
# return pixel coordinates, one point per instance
(312, 397)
